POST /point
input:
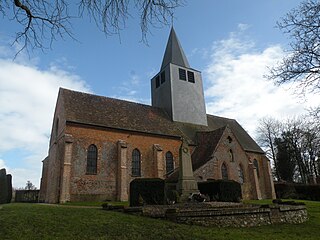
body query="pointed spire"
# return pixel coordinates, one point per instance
(174, 52)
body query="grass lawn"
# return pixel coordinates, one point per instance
(37, 221)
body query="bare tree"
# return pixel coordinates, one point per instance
(293, 146)
(302, 63)
(30, 186)
(314, 113)
(44, 21)
(268, 131)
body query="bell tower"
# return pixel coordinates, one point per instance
(177, 88)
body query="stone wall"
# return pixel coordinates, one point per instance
(239, 217)
(29, 196)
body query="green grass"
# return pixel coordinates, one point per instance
(36, 221)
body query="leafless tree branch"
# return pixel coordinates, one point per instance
(45, 21)
(302, 64)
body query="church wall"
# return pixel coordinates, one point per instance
(59, 122)
(44, 180)
(264, 176)
(212, 169)
(56, 154)
(52, 176)
(103, 185)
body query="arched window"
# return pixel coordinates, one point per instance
(136, 163)
(255, 163)
(241, 175)
(92, 156)
(231, 155)
(169, 162)
(224, 172)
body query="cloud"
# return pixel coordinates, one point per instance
(236, 87)
(133, 88)
(243, 26)
(27, 99)
(2, 164)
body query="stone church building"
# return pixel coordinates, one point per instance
(99, 145)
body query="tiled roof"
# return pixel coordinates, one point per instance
(206, 145)
(119, 114)
(214, 123)
(114, 113)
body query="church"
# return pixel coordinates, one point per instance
(98, 145)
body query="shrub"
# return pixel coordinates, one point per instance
(147, 191)
(285, 190)
(171, 194)
(297, 191)
(221, 190)
(308, 192)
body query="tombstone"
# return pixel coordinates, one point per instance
(187, 184)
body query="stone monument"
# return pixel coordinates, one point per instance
(186, 183)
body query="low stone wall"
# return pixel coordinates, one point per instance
(30, 196)
(221, 214)
(239, 217)
(159, 211)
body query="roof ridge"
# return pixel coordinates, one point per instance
(215, 130)
(211, 115)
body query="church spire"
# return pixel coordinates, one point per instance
(177, 88)
(174, 52)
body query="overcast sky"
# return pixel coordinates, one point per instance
(231, 42)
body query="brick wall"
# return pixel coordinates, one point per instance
(212, 169)
(103, 185)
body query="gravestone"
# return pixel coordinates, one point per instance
(186, 183)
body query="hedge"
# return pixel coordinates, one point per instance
(221, 190)
(297, 191)
(147, 191)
